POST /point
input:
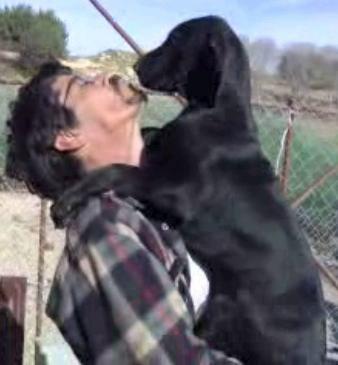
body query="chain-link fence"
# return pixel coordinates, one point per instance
(302, 146)
(312, 182)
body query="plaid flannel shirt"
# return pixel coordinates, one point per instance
(114, 297)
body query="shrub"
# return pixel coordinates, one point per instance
(38, 36)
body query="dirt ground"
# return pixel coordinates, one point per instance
(19, 239)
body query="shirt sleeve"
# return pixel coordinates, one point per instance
(119, 305)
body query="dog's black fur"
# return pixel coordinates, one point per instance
(206, 174)
(265, 304)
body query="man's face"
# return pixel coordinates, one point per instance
(106, 110)
(102, 102)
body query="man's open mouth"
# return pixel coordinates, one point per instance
(114, 81)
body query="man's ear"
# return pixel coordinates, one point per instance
(68, 140)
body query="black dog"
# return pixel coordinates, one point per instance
(205, 173)
(265, 304)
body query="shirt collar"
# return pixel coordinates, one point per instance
(122, 179)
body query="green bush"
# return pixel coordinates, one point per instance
(38, 36)
(14, 23)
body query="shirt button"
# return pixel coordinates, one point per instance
(164, 227)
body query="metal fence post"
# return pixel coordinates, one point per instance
(286, 168)
(41, 274)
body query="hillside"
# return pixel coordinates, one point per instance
(108, 61)
(268, 92)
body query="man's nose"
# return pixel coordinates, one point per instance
(114, 79)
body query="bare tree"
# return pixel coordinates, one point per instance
(329, 52)
(291, 69)
(263, 54)
(305, 66)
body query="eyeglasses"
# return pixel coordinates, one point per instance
(81, 80)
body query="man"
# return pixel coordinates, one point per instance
(119, 293)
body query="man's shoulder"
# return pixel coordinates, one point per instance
(79, 198)
(102, 220)
(104, 211)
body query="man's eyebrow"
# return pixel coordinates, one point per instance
(69, 86)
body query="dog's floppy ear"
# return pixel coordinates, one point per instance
(234, 80)
(232, 61)
(216, 62)
(203, 79)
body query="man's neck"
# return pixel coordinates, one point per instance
(119, 149)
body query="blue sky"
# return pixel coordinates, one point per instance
(148, 21)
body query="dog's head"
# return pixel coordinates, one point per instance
(197, 57)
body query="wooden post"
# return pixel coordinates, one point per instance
(12, 319)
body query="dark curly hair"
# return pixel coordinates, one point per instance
(35, 120)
